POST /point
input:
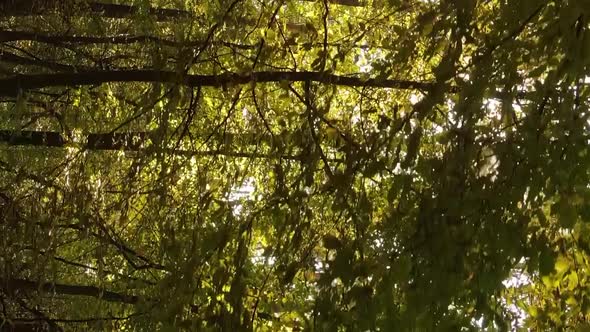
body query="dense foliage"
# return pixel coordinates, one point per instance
(289, 165)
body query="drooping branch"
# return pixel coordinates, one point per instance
(38, 7)
(77, 321)
(11, 86)
(130, 142)
(16, 59)
(122, 39)
(352, 3)
(7, 36)
(25, 325)
(137, 141)
(13, 284)
(34, 138)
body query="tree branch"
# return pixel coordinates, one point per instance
(14, 284)
(134, 141)
(11, 86)
(7, 36)
(13, 58)
(37, 7)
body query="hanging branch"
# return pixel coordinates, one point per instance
(11, 86)
(131, 142)
(13, 284)
(38, 7)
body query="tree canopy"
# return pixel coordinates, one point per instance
(294, 165)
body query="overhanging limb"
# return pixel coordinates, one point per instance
(12, 85)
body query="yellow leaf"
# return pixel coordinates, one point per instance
(533, 312)
(561, 264)
(571, 301)
(332, 133)
(573, 280)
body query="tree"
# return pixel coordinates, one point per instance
(294, 165)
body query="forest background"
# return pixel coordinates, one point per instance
(288, 165)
